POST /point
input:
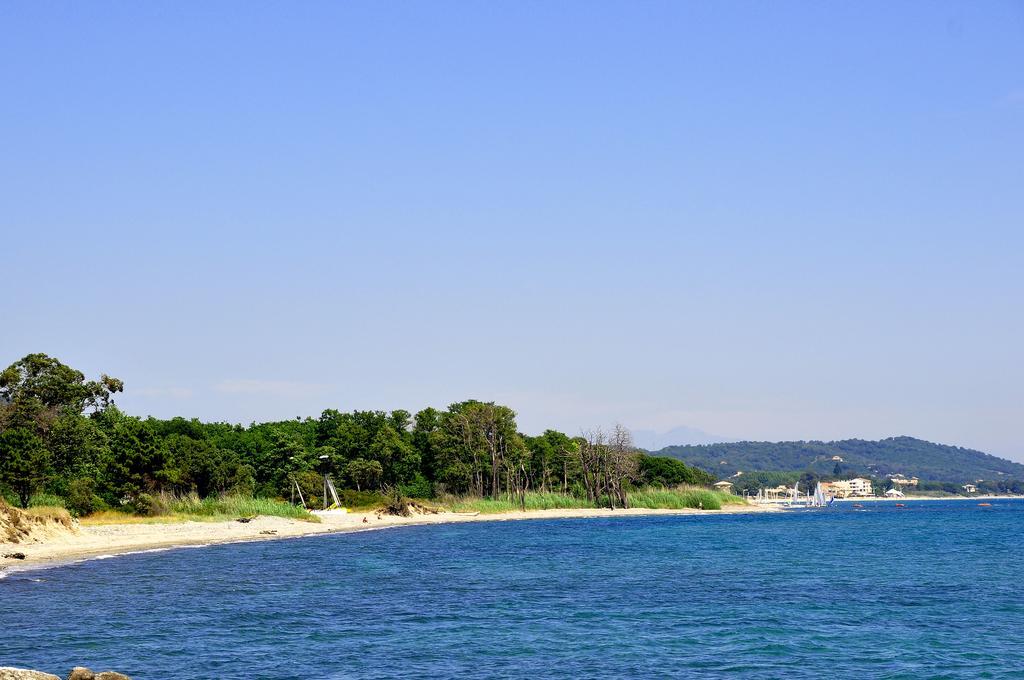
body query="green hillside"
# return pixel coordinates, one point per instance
(906, 455)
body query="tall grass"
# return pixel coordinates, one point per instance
(49, 513)
(181, 509)
(166, 508)
(46, 500)
(654, 498)
(534, 500)
(238, 506)
(678, 499)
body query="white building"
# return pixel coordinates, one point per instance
(848, 488)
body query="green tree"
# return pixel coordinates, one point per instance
(364, 473)
(285, 456)
(476, 448)
(46, 381)
(78, 446)
(551, 456)
(137, 458)
(397, 457)
(664, 471)
(24, 462)
(196, 465)
(425, 438)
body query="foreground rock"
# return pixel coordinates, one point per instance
(77, 673)
(80, 673)
(21, 674)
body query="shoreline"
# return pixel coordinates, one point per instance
(90, 542)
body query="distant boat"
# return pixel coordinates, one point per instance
(819, 498)
(985, 505)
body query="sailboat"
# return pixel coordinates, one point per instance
(809, 500)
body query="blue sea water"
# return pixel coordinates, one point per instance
(930, 590)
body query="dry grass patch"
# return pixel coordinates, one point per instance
(21, 525)
(105, 517)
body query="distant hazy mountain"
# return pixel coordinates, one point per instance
(682, 435)
(906, 455)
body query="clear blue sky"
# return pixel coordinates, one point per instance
(778, 220)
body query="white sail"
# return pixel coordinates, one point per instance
(333, 492)
(819, 497)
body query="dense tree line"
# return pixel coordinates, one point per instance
(62, 434)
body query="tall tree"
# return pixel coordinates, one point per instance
(137, 459)
(397, 457)
(24, 462)
(47, 382)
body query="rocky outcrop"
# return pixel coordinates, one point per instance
(22, 674)
(77, 673)
(80, 673)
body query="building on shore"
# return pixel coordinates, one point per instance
(970, 488)
(848, 488)
(894, 493)
(724, 486)
(774, 494)
(900, 480)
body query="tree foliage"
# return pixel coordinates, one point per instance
(62, 434)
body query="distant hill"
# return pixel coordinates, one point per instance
(907, 455)
(682, 435)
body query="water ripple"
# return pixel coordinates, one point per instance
(927, 592)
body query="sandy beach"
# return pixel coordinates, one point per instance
(100, 541)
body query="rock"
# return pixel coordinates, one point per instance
(245, 520)
(269, 532)
(81, 673)
(111, 675)
(14, 556)
(7, 673)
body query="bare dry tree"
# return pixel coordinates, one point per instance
(608, 463)
(623, 464)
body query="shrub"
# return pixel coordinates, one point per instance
(361, 499)
(420, 487)
(46, 500)
(140, 504)
(82, 498)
